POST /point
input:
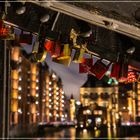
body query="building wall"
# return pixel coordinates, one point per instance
(127, 102)
(36, 94)
(105, 98)
(138, 99)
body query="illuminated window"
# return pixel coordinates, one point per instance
(50, 89)
(19, 97)
(20, 111)
(53, 76)
(36, 102)
(14, 74)
(20, 78)
(37, 95)
(19, 88)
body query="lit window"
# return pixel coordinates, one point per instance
(88, 111)
(19, 111)
(57, 93)
(50, 106)
(36, 102)
(37, 95)
(37, 80)
(124, 107)
(19, 97)
(20, 78)
(50, 88)
(50, 100)
(57, 88)
(50, 94)
(62, 92)
(81, 125)
(50, 83)
(53, 76)
(57, 98)
(62, 101)
(78, 103)
(50, 114)
(19, 88)
(57, 115)
(37, 88)
(43, 100)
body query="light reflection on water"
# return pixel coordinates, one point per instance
(72, 134)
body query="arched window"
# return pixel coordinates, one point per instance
(94, 96)
(86, 95)
(105, 96)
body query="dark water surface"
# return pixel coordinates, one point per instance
(72, 133)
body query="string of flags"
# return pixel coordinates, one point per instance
(60, 46)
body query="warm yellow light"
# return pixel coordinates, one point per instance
(36, 102)
(20, 78)
(20, 111)
(50, 89)
(14, 105)
(14, 74)
(19, 88)
(33, 68)
(19, 97)
(15, 53)
(37, 95)
(88, 111)
(53, 76)
(14, 94)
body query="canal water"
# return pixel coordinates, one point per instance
(59, 133)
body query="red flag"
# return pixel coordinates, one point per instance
(115, 70)
(49, 44)
(85, 65)
(99, 69)
(56, 50)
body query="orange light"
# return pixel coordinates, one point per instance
(49, 45)
(131, 77)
